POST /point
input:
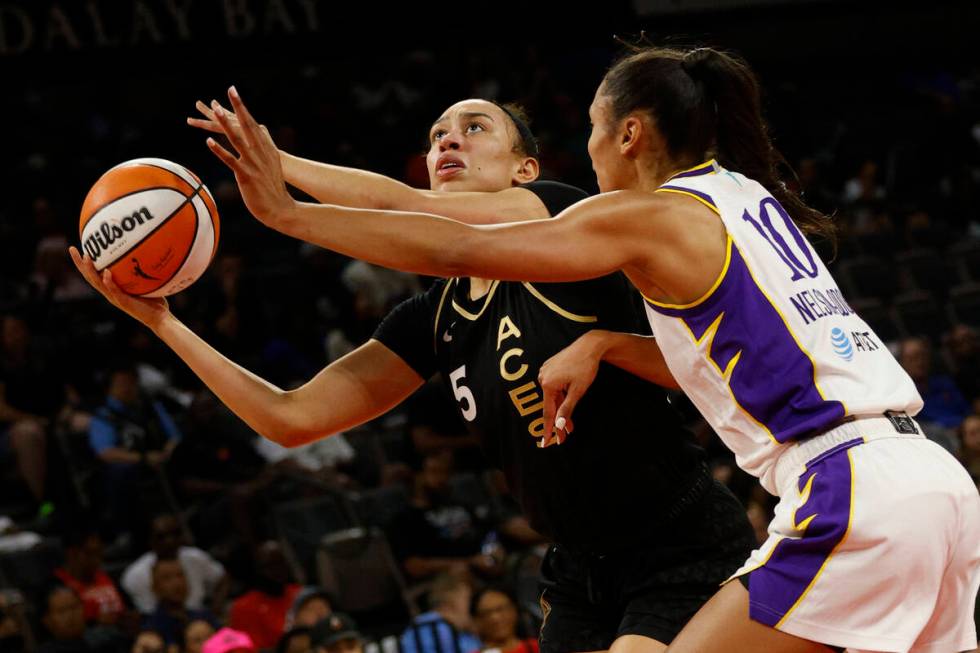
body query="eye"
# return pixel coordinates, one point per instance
(473, 127)
(437, 134)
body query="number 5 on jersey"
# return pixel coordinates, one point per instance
(467, 402)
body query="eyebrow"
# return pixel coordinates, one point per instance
(465, 114)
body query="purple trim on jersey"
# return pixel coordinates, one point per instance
(691, 191)
(773, 379)
(708, 168)
(777, 586)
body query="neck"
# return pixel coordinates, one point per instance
(652, 174)
(479, 287)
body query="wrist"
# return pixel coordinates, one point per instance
(596, 343)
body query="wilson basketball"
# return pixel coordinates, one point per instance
(152, 223)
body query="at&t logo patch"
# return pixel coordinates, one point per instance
(842, 344)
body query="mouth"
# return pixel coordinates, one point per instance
(448, 166)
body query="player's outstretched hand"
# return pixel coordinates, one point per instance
(564, 378)
(148, 310)
(209, 122)
(257, 167)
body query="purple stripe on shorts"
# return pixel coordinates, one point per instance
(777, 587)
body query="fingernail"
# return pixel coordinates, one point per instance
(233, 90)
(560, 423)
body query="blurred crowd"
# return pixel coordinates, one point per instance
(140, 515)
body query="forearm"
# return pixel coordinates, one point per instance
(638, 355)
(333, 184)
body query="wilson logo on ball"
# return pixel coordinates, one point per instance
(108, 233)
(152, 223)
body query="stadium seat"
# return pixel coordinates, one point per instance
(966, 257)
(867, 276)
(358, 569)
(301, 525)
(919, 314)
(927, 269)
(964, 304)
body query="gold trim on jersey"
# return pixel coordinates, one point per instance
(486, 302)
(558, 309)
(691, 195)
(712, 163)
(435, 325)
(726, 374)
(703, 298)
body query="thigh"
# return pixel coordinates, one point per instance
(573, 623)
(723, 626)
(663, 587)
(637, 644)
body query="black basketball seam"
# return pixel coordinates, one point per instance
(150, 165)
(197, 223)
(110, 202)
(156, 228)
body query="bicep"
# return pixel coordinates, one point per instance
(510, 205)
(354, 389)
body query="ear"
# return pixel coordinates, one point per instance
(527, 171)
(631, 136)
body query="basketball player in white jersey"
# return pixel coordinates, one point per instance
(876, 541)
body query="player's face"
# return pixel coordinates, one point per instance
(611, 169)
(471, 148)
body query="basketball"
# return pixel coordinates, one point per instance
(153, 223)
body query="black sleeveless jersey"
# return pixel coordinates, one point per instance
(628, 467)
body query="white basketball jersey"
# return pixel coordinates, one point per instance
(771, 353)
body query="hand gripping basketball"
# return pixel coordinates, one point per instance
(148, 310)
(257, 168)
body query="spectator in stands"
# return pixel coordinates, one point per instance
(964, 353)
(11, 624)
(864, 187)
(194, 635)
(128, 433)
(28, 397)
(207, 581)
(337, 634)
(172, 616)
(83, 573)
(148, 641)
(497, 620)
(970, 445)
(311, 606)
(261, 612)
(448, 626)
(295, 640)
(944, 404)
(434, 533)
(63, 617)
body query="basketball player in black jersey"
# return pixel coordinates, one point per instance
(643, 535)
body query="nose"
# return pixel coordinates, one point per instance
(450, 141)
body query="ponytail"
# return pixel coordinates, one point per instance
(707, 102)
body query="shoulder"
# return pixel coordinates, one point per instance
(555, 195)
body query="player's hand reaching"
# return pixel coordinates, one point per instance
(210, 122)
(148, 310)
(564, 378)
(257, 167)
